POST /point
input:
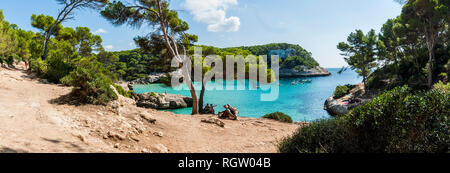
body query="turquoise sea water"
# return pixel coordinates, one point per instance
(303, 102)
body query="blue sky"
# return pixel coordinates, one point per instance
(316, 25)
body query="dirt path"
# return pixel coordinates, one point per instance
(35, 117)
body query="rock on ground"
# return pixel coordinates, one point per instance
(163, 101)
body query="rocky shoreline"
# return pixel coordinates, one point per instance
(343, 105)
(163, 101)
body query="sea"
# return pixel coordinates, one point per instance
(303, 101)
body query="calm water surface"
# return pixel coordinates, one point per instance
(303, 102)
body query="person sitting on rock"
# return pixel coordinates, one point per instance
(206, 109)
(211, 110)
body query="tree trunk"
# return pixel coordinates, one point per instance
(430, 37)
(430, 66)
(194, 99)
(202, 94)
(364, 82)
(47, 38)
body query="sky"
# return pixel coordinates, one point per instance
(316, 25)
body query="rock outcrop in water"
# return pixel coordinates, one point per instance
(163, 101)
(343, 105)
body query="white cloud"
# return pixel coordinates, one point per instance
(213, 13)
(108, 47)
(100, 31)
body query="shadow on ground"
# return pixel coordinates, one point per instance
(10, 150)
(68, 145)
(68, 99)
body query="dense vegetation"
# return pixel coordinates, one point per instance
(299, 59)
(58, 52)
(409, 59)
(135, 64)
(411, 49)
(279, 116)
(341, 91)
(397, 121)
(75, 57)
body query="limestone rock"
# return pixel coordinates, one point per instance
(159, 134)
(213, 121)
(145, 150)
(147, 117)
(161, 148)
(163, 101)
(115, 135)
(335, 107)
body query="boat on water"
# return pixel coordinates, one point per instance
(301, 81)
(306, 81)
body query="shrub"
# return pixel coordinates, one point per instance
(323, 136)
(442, 87)
(397, 121)
(153, 94)
(279, 116)
(132, 94)
(340, 91)
(121, 91)
(57, 68)
(166, 80)
(90, 87)
(38, 66)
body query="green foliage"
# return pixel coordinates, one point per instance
(395, 122)
(39, 66)
(44, 23)
(8, 41)
(360, 52)
(121, 91)
(323, 136)
(340, 91)
(90, 86)
(134, 64)
(153, 94)
(59, 61)
(298, 62)
(398, 121)
(300, 58)
(442, 87)
(279, 116)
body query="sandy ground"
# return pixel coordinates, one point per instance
(40, 117)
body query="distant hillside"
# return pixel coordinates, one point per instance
(293, 56)
(135, 64)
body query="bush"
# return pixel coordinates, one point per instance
(279, 116)
(397, 121)
(39, 66)
(121, 91)
(324, 136)
(90, 87)
(57, 68)
(340, 91)
(442, 87)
